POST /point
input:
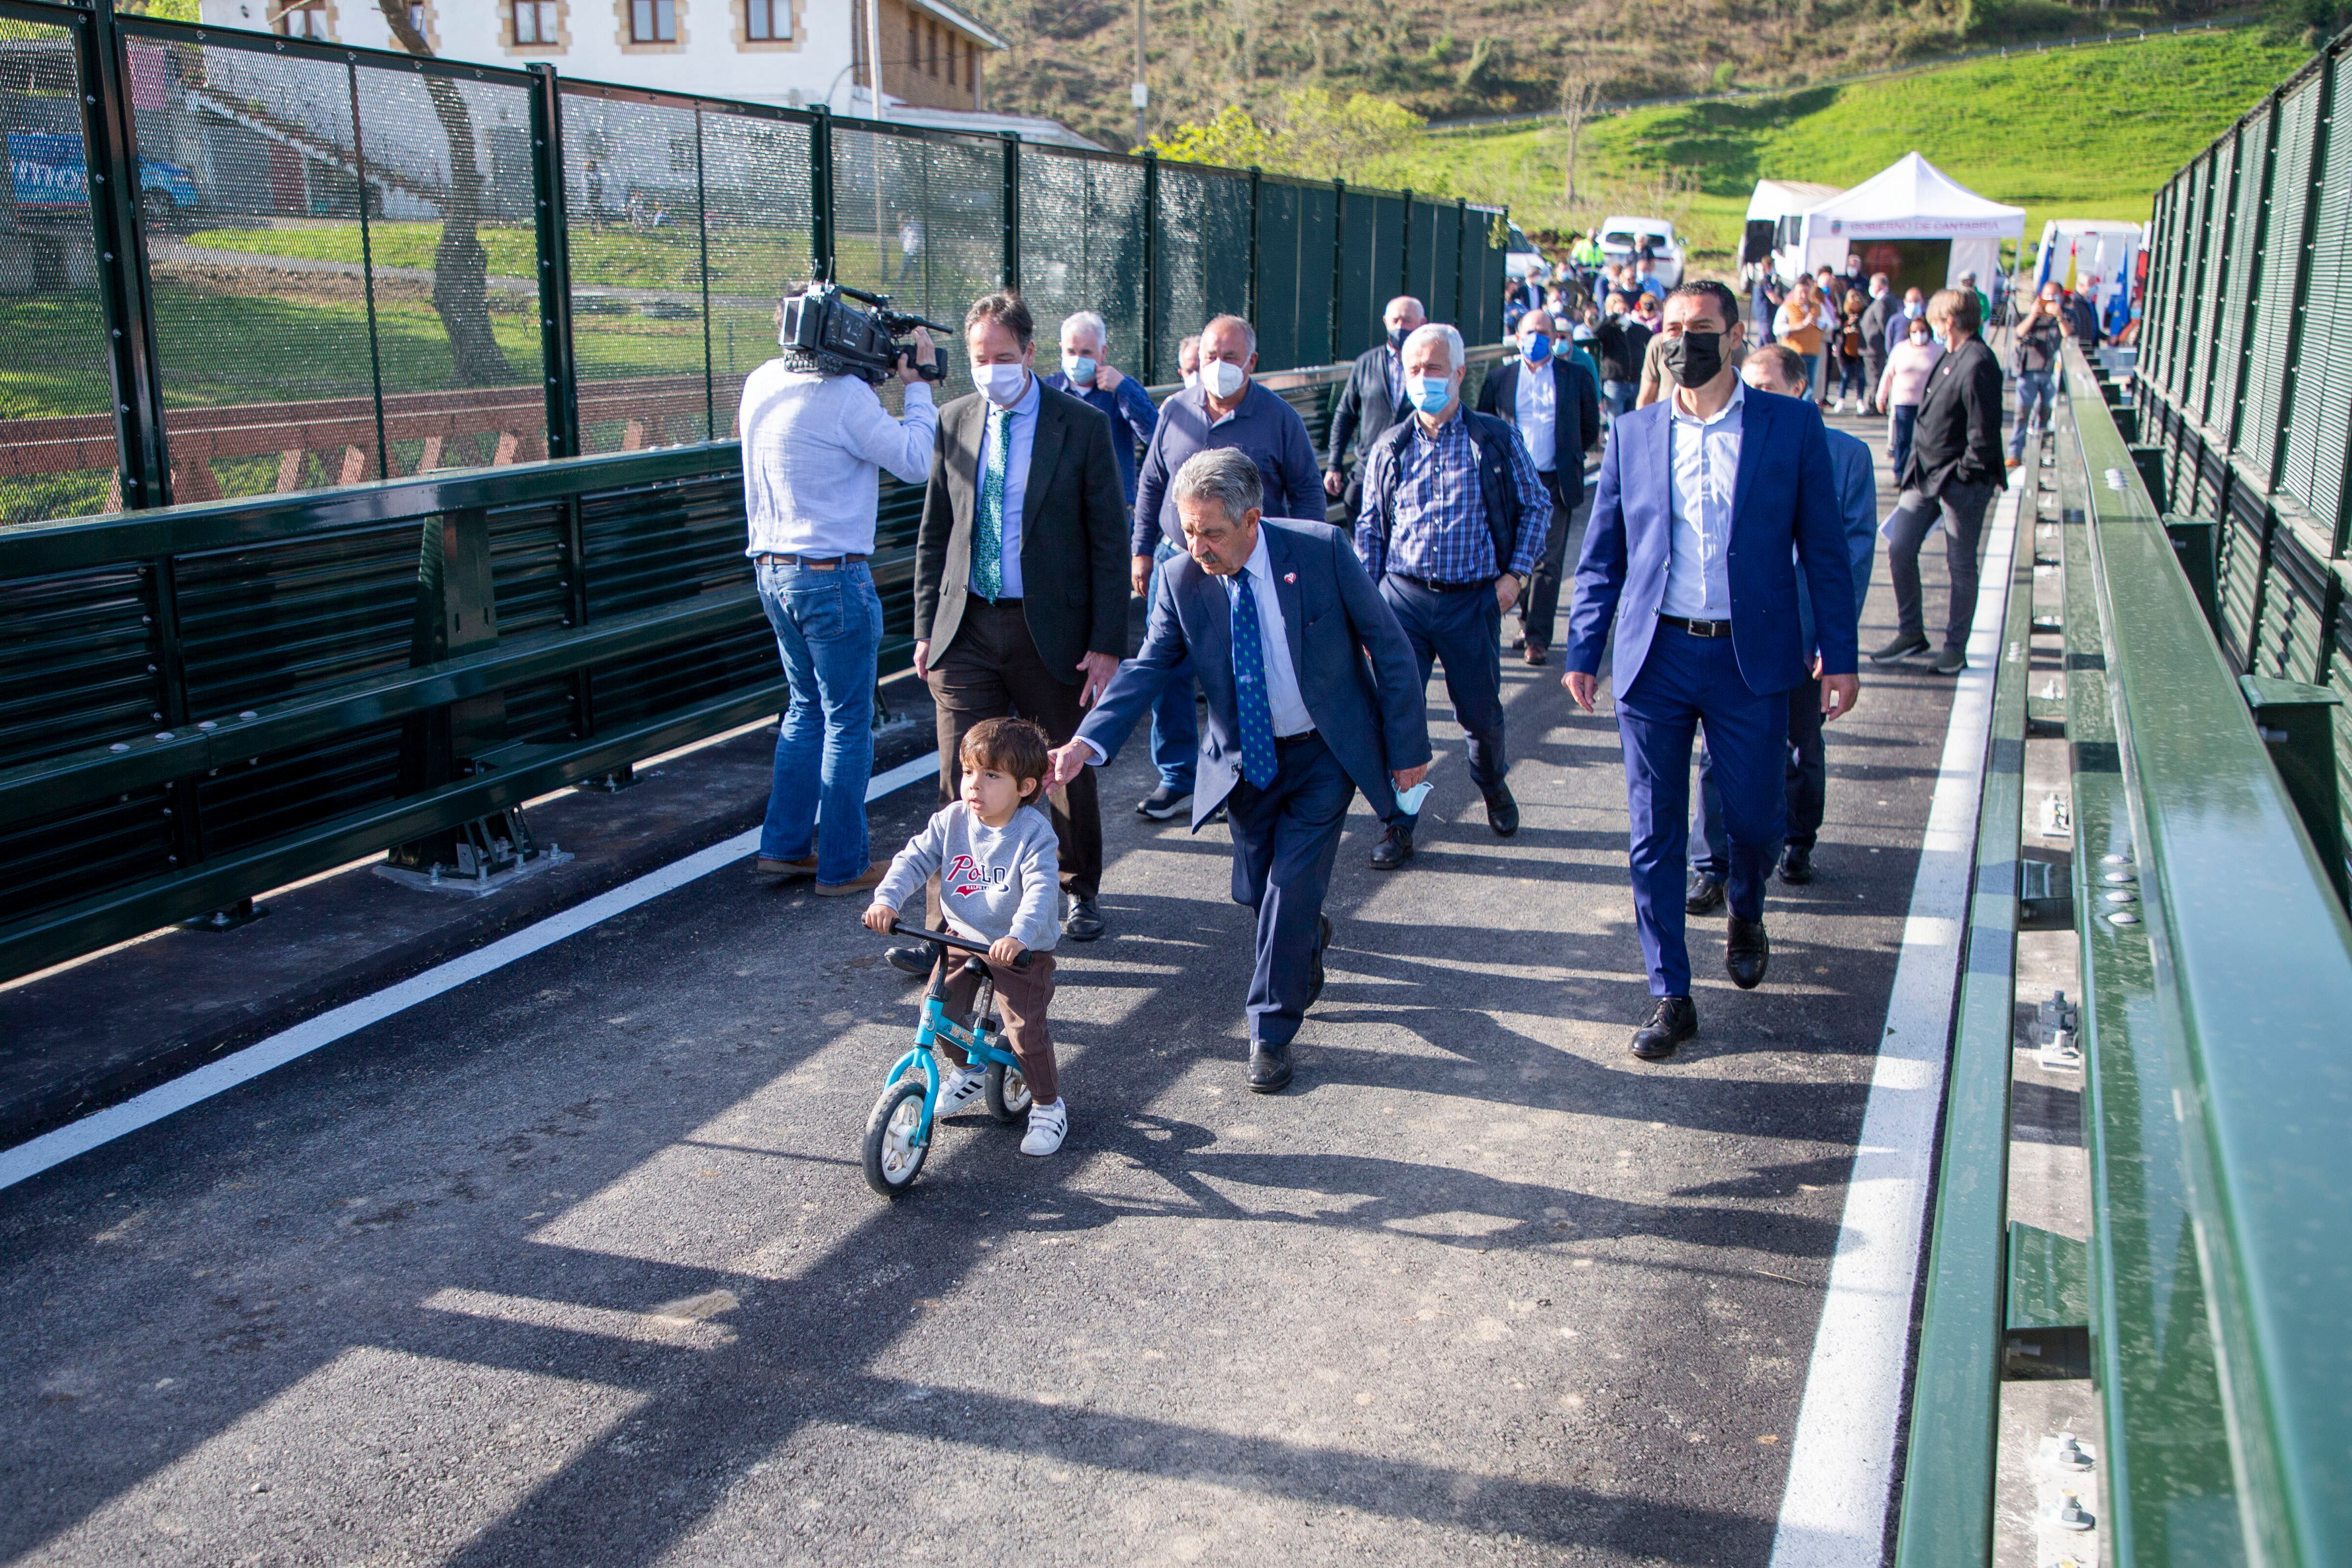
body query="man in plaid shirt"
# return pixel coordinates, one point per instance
(1453, 521)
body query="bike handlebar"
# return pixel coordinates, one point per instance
(948, 939)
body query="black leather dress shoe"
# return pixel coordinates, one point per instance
(1081, 920)
(1394, 848)
(1501, 810)
(1797, 864)
(1747, 952)
(1672, 1021)
(912, 959)
(1705, 895)
(1269, 1068)
(1314, 964)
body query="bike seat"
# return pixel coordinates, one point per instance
(975, 967)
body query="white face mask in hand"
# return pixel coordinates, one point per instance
(1003, 383)
(1223, 377)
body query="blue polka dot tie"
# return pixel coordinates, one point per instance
(1258, 764)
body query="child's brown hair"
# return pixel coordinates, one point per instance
(1015, 747)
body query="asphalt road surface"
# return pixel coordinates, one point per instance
(575, 1265)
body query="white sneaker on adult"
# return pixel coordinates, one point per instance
(1047, 1124)
(959, 1087)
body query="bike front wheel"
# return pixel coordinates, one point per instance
(895, 1146)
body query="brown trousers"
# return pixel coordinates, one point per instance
(1022, 998)
(993, 670)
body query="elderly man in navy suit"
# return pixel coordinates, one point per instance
(1708, 504)
(1313, 694)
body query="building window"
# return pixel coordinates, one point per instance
(768, 21)
(951, 59)
(534, 24)
(653, 21)
(914, 41)
(303, 19)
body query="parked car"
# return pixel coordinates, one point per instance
(47, 179)
(1521, 258)
(1622, 237)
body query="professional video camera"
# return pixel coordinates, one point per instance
(825, 333)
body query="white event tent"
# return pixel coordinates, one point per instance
(1902, 221)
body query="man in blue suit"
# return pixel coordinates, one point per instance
(1313, 694)
(1708, 503)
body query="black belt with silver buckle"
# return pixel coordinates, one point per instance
(814, 563)
(1697, 628)
(1436, 587)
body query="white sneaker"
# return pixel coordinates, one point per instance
(959, 1087)
(1047, 1123)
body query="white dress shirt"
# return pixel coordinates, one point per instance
(1702, 466)
(1290, 715)
(1538, 413)
(1024, 415)
(1282, 697)
(813, 448)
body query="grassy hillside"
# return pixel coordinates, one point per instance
(2085, 132)
(1446, 59)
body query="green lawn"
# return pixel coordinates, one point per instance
(2087, 132)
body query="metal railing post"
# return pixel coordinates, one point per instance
(126, 308)
(821, 194)
(1251, 293)
(1404, 261)
(1338, 263)
(1011, 274)
(558, 368)
(1151, 266)
(1461, 253)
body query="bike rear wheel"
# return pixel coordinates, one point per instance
(1008, 1093)
(893, 1156)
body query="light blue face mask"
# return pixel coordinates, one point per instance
(1430, 393)
(1913, 309)
(1079, 368)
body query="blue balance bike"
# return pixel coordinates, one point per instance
(898, 1133)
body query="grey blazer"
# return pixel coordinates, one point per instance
(1074, 562)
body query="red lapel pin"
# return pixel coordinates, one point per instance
(1290, 577)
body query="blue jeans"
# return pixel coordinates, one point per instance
(1175, 722)
(1903, 422)
(2033, 395)
(828, 626)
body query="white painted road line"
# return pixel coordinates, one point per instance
(30, 1159)
(1842, 1465)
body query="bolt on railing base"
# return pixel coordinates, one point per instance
(243, 912)
(478, 856)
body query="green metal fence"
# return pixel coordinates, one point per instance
(2216, 967)
(436, 366)
(2244, 386)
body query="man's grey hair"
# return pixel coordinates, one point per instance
(1439, 332)
(1088, 321)
(1418, 308)
(1249, 333)
(1225, 475)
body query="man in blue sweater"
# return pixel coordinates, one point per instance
(1229, 408)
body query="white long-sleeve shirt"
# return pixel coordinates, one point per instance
(813, 448)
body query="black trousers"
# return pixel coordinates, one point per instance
(1539, 611)
(1962, 508)
(993, 670)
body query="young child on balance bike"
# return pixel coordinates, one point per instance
(1000, 882)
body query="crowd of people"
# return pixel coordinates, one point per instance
(1728, 537)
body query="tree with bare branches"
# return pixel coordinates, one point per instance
(1579, 93)
(460, 267)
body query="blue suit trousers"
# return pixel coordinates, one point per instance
(1684, 681)
(1175, 722)
(1286, 838)
(1462, 631)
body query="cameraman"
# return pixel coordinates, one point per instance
(813, 446)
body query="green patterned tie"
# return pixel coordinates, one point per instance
(988, 539)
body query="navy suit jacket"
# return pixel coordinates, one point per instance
(1371, 713)
(1784, 515)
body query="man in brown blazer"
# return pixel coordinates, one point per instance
(1021, 573)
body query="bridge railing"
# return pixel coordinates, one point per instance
(2216, 981)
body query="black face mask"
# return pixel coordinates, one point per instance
(1397, 337)
(1695, 358)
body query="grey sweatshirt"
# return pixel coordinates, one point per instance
(993, 881)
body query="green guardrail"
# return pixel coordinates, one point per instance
(2216, 982)
(205, 702)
